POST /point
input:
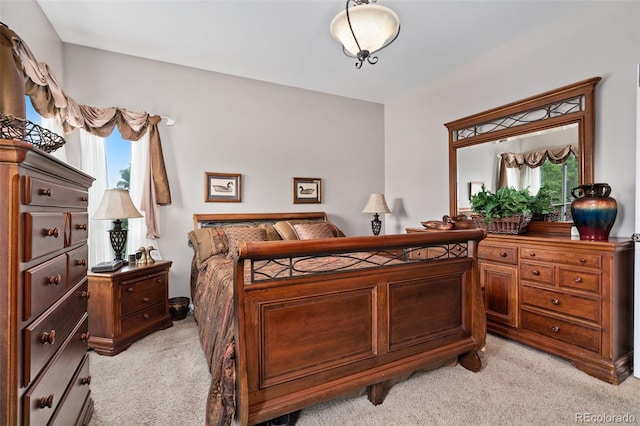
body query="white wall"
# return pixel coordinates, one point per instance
(268, 133)
(603, 41)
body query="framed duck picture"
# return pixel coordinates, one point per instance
(307, 190)
(223, 187)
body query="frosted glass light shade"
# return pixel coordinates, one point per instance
(374, 26)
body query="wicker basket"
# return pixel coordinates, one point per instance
(504, 225)
(23, 130)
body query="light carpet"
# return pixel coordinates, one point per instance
(163, 379)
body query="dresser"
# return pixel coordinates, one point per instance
(568, 297)
(44, 377)
(128, 304)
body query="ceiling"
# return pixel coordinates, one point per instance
(288, 42)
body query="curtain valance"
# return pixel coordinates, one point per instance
(533, 159)
(50, 100)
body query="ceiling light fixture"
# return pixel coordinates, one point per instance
(364, 29)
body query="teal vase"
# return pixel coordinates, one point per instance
(593, 210)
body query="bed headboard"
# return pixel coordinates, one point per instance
(217, 219)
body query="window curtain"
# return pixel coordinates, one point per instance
(54, 124)
(138, 180)
(533, 160)
(94, 161)
(49, 100)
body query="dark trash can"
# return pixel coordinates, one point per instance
(179, 308)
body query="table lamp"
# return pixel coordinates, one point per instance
(116, 204)
(376, 205)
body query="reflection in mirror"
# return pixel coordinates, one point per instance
(532, 160)
(544, 140)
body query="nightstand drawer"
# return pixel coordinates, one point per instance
(144, 318)
(497, 254)
(40, 192)
(579, 280)
(536, 272)
(141, 300)
(135, 288)
(43, 285)
(580, 307)
(565, 331)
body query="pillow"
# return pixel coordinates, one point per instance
(272, 234)
(235, 234)
(207, 242)
(285, 230)
(313, 231)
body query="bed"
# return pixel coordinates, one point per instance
(291, 313)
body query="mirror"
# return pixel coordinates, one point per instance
(559, 123)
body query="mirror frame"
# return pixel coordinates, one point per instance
(574, 103)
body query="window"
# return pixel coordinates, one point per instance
(560, 179)
(118, 153)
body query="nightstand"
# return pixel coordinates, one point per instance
(127, 304)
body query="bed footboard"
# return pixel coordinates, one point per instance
(304, 336)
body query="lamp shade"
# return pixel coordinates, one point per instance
(116, 204)
(376, 204)
(374, 27)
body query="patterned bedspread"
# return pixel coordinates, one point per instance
(212, 296)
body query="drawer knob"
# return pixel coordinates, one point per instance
(85, 380)
(555, 329)
(85, 336)
(503, 254)
(84, 198)
(46, 192)
(55, 279)
(555, 301)
(532, 254)
(583, 260)
(55, 232)
(145, 299)
(577, 280)
(46, 401)
(146, 316)
(82, 226)
(81, 262)
(48, 337)
(130, 289)
(85, 294)
(535, 272)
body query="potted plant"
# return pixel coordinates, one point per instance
(509, 210)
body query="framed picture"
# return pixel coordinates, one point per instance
(474, 188)
(307, 190)
(222, 187)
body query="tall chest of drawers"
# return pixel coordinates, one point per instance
(44, 377)
(565, 296)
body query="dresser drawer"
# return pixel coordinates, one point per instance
(568, 258)
(42, 399)
(579, 280)
(565, 331)
(143, 318)
(39, 192)
(77, 264)
(75, 398)
(44, 233)
(44, 284)
(45, 335)
(140, 287)
(580, 307)
(79, 228)
(498, 254)
(537, 272)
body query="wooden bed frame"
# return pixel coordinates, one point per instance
(304, 339)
